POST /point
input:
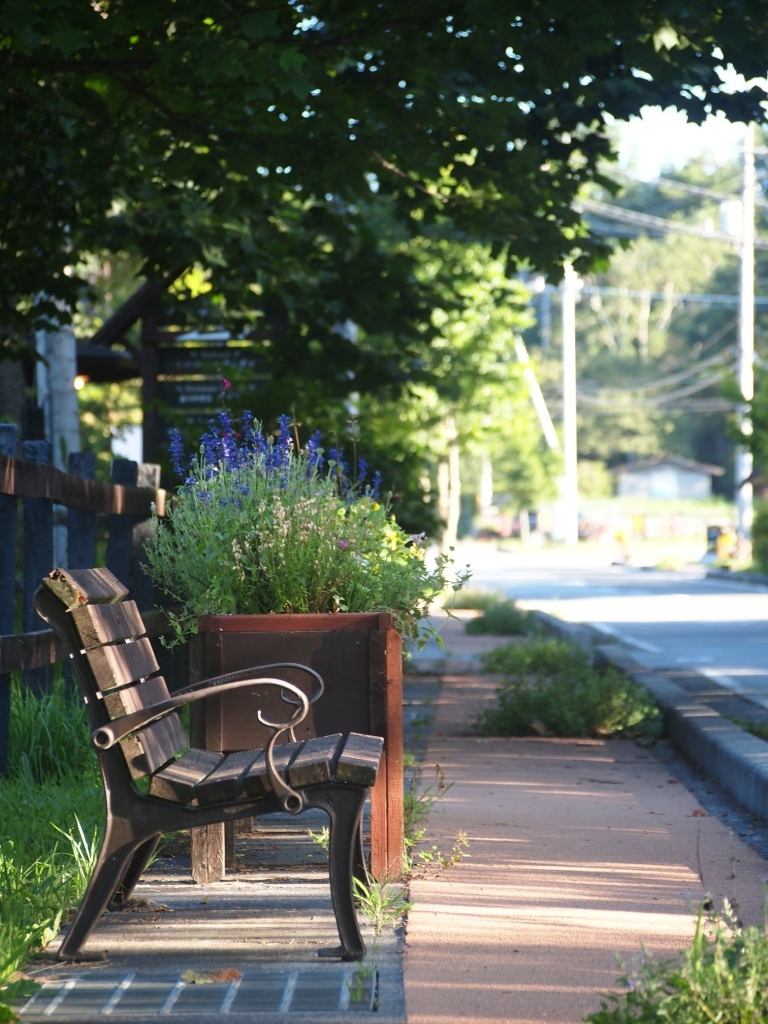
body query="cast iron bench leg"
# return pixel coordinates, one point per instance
(115, 858)
(134, 871)
(344, 806)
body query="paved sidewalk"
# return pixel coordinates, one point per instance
(579, 851)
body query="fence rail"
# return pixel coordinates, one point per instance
(33, 480)
(49, 518)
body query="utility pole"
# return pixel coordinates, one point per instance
(743, 467)
(570, 494)
(534, 389)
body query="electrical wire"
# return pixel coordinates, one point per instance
(653, 223)
(696, 190)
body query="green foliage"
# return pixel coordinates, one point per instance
(382, 902)
(594, 479)
(760, 537)
(473, 598)
(267, 529)
(48, 736)
(722, 978)
(503, 618)
(551, 689)
(200, 133)
(652, 357)
(417, 806)
(52, 816)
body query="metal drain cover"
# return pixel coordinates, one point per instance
(118, 997)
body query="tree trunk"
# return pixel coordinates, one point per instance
(11, 391)
(56, 392)
(57, 397)
(485, 494)
(643, 325)
(525, 527)
(450, 479)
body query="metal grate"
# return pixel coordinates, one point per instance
(120, 997)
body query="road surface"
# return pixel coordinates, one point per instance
(676, 623)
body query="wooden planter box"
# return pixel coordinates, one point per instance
(359, 656)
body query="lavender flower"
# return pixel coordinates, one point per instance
(176, 449)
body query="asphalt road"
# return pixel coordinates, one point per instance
(670, 622)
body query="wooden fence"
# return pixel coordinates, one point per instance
(44, 510)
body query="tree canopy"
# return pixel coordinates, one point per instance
(250, 136)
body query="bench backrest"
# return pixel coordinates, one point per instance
(112, 659)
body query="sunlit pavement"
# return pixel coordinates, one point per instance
(579, 851)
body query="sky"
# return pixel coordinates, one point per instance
(662, 139)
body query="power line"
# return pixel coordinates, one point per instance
(696, 190)
(691, 297)
(697, 405)
(649, 221)
(657, 401)
(662, 382)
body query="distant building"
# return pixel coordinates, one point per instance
(666, 476)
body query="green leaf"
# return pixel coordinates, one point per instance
(68, 40)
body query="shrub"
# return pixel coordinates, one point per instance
(261, 527)
(503, 618)
(760, 537)
(722, 978)
(473, 598)
(553, 690)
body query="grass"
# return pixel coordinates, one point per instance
(52, 817)
(552, 689)
(503, 618)
(500, 616)
(471, 598)
(759, 729)
(721, 979)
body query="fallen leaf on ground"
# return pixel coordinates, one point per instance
(223, 974)
(136, 904)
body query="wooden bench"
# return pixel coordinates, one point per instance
(139, 736)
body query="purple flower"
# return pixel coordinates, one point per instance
(313, 451)
(176, 449)
(343, 544)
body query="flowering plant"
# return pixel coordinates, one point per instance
(261, 526)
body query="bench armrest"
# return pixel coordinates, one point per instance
(107, 736)
(231, 677)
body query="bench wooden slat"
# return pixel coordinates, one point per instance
(226, 782)
(315, 762)
(134, 698)
(359, 760)
(153, 747)
(76, 587)
(256, 781)
(100, 624)
(156, 744)
(177, 780)
(120, 664)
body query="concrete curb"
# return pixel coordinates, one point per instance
(736, 759)
(738, 576)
